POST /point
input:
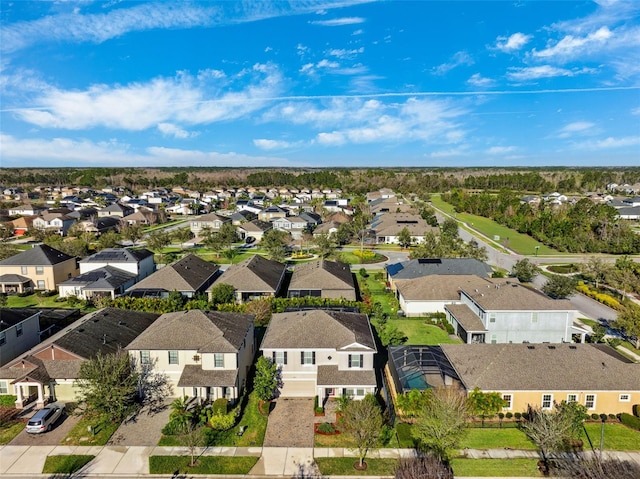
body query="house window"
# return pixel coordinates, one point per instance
(494, 338)
(590, 401)
(145, 357)
(534, 318)
(40, 284)
(39, 270)
(547, 401)
(3, 338)
(218, 360)
(508, 401)
(492, 318)
(173, 357)
(24, 270)
(572, 398)
(19, 329)
(354, 392)
(356, 361)
(4, 387)
(307, 357)
(624, 398)
(280, 357)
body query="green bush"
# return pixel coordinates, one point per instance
(8, 400)
(326, 428)
(220, 406)
(636, 410)
(173, 427)
(629, 420)
(509, 415)
(595, 416)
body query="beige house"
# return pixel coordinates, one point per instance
(39, 268)
(322, 353)
(205, 354)
(48, 371)
(324, 279)
(595, 375)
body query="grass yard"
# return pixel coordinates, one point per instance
(343, 466)
(420, 333)
(495, 467)
(80, 436)
(206, 465)
(65, 464)
(378, 292)
(518, 242)
(10, 430)
(33, 300)
(496, 438)
(617, 437)
(348, 257)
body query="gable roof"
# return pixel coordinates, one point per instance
(444, 287)
(105, 278)
(322, 274)
(416, 268)
(190, 273)
(204, 331)
(559, 367)
(338, 329)
(39, 255)
(256, 273)
(118, 255)
(210, 218)
(515, 297)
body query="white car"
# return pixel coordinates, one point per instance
(43, 419)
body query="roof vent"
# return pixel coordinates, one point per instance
(531, 347)
(551, 347)
(573, 347)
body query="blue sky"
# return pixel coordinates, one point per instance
(320, 83)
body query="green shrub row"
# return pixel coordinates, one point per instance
(629, 420)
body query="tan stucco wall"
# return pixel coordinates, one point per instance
(607, 402)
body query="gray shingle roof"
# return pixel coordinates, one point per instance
(322, 274)
(118, 255)
(528, 367)
(204, 331)
(465, 317)
(416, 268)
(444, 287)
(107, 278)
(516, 297)
(254, 274)
(189, 274)
(332, 376)
(39, 255)
(194, 376)
(318, 329)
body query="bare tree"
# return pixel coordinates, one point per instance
(583, 466)
(363, 420)
(192, 438)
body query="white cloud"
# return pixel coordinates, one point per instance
(479, 81)
(359, 31)
(169, 129)
(635, 111)
(571, 46)
(500, 150)
(575, 128)
(266, 144)
(610, 143)
(543, 71)
(338, 22)
(513, 42)
(458, 59)
(343, 53)
(139, 106)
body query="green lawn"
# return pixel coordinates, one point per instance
(420, 333)
(80, 436)
(520, 243)
(10, 430)
(343, 466)
(496, 438)
(617, 437)
(65, 464)
(495, 467)
(222, 465)
(33, 300)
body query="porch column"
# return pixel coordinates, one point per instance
(19, 399)
(40, 401)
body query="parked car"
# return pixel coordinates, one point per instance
(43, 419)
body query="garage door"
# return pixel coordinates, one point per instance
(292, 387)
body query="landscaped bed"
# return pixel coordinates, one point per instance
(221, 465)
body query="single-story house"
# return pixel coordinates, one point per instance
(323, 279)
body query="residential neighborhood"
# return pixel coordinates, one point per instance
(334, 292)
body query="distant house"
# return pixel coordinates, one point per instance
(294, 225)
(629, 213)
(100, 225)
(254, 229)
(539, 375)
(337, 362)
(189, 276)
(211, 221)
(141, 218)
(22, 225)
(138, 262)
(26, 210)
(324, 279)
(255, 277)
(205, 354)
(512, 313)
(116, 209)
(418, 268)
(328, 228)
(39, 268)
(271, 213)
(387, 227)
(47, 372)
(57, 223)
(19, 331)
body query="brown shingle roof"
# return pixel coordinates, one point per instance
(443, 287)
(194, 376)
(528, 367)
(204, 331)
(189, 274)
(465, 317)
(332, 376)
(322, 274)
(319, 329)
(256, 274)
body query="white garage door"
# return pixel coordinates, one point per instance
(297, 388)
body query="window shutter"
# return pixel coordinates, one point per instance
(362, 360)
(313, 357)
(285, 357)
(273, 357)
(350, 361)
(301, 357)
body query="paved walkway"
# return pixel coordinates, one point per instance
(27, 461)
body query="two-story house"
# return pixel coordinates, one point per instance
(205, 354)
(138, 262)
(19, 331)
(512, 313)
(322, 353)
(57, 223)
(211, 221)
(41, 267)
(323, 279)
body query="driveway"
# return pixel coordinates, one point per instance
(144, 429)
(290, 423)
(58, 432)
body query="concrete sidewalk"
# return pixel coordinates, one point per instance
(27, 461)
